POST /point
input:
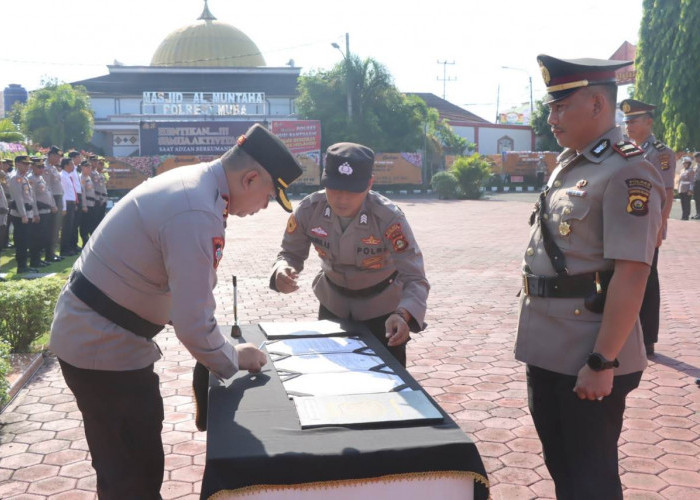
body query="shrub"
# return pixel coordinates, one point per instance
(4, 370)
(27, 310)
(444, 184)
(471, 172)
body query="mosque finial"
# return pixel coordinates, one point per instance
(206, 14)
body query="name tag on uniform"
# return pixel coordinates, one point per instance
(576, 192)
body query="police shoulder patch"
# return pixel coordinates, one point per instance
(638, 191)
(627, 149)
(292, 224)
(665, 161)
(218, 243)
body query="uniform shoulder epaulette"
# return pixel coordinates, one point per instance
(627, 149)
(660, 146)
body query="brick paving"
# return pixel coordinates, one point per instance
(464, 360)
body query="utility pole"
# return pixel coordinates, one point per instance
(348, 64)
(445, 78)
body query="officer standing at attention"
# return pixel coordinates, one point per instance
(152, 261)
(685, 187)
(594, 232)
(371, 266)
(40, 234)
(53, 179)
(88, 201)
(639, 121)
(100, 182)
(23, 211)
(4, 210)
(77, 159)
(6, 166)
(70, 205)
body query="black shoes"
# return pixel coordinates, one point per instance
(22, 270)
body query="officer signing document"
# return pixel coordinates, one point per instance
(151, 261)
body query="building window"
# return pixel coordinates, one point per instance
(505, 143)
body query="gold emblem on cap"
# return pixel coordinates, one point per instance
(626, 108)
(545, 73)
(564, 228)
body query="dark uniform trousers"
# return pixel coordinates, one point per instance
(579, 437)
(123, 418)
(39, 236)
(88, 223)
(696, 194)
(377, 327)
(649, 312)
(21, 240)
(67, 228)
(56, 226)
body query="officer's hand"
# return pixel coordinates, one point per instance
(54, 210)
(397, 330)
(286, 280)
(250, 357)
(660, 236)
(35, 220)
(25, 220)
(593, 385)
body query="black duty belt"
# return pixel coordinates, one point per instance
(108, 309)
(27, 206)
(370, 291)
(569, 286)
(43, 206)
(90, 198)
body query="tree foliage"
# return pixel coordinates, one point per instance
(471, 173)
(543, 132)
(9, 132)
(668, 69)
(383, 118)
(58, 114)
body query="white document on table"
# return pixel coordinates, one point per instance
(323, 327)
(339, 383)
(403, 406)
(316, 345)
(330, 363)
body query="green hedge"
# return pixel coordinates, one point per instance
(4, 370)
(27, 310)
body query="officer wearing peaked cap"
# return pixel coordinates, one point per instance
(371, 265)
(53, 179)
(592, 241)
(23, 211)
(152, 261)
(639, 121)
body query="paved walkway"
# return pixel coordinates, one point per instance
(464, 359)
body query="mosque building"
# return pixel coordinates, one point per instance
(207, 80)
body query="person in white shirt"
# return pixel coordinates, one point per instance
(69, 205)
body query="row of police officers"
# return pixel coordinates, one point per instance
(46, 201)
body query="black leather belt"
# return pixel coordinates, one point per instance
(27, 206)
(573, 286)
(370, 291)
(108, 309)
(43, 206)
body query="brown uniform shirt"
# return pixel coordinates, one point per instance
(42, 193)
(155, 253)
(22, 195)
(601, 206)
(377, 242)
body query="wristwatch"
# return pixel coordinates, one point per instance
(597, 362)
(405, 315)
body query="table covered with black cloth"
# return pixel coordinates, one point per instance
(254, 437)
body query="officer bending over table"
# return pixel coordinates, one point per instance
(152, 261)
(592, 240)
(371, 266)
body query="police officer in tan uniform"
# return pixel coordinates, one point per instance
(152, 261)
(53, 179)
(88, 201)
(100, 182)
(371, 266)
(686, 181)
(4, 211)
(23, 211)
(6, 166)
(639, 121)
(40, 234)
(592, 241)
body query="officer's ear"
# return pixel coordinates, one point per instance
(249, 178)
(371, 181)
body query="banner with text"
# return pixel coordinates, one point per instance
(303, 138)
(190, 138)
(398, 168)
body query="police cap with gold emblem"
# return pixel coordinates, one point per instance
(563, 77)
(55, 150)
(271, 153)
(37, 160)
(348, 167)
(22, 159)
(632, 108)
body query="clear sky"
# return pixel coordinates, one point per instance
(76, 39)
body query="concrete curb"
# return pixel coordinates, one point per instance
(26, 376)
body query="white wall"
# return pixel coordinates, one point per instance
(488, 139)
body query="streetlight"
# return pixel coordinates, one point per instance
(346, 57)
(532, 109)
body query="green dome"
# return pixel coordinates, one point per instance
(208, 42)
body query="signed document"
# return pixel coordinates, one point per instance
(340, 383)
(280, 329)
(316, 345)
(405, 406)
(330, 362)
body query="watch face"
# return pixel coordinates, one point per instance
(595, 361)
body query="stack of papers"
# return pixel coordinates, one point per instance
(302, 329)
